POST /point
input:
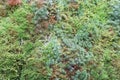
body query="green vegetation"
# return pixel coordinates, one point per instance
(60, 40)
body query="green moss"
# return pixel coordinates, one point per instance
(79, 45)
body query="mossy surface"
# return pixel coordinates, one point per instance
(60, 40)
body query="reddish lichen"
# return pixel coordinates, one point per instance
(14, 2)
